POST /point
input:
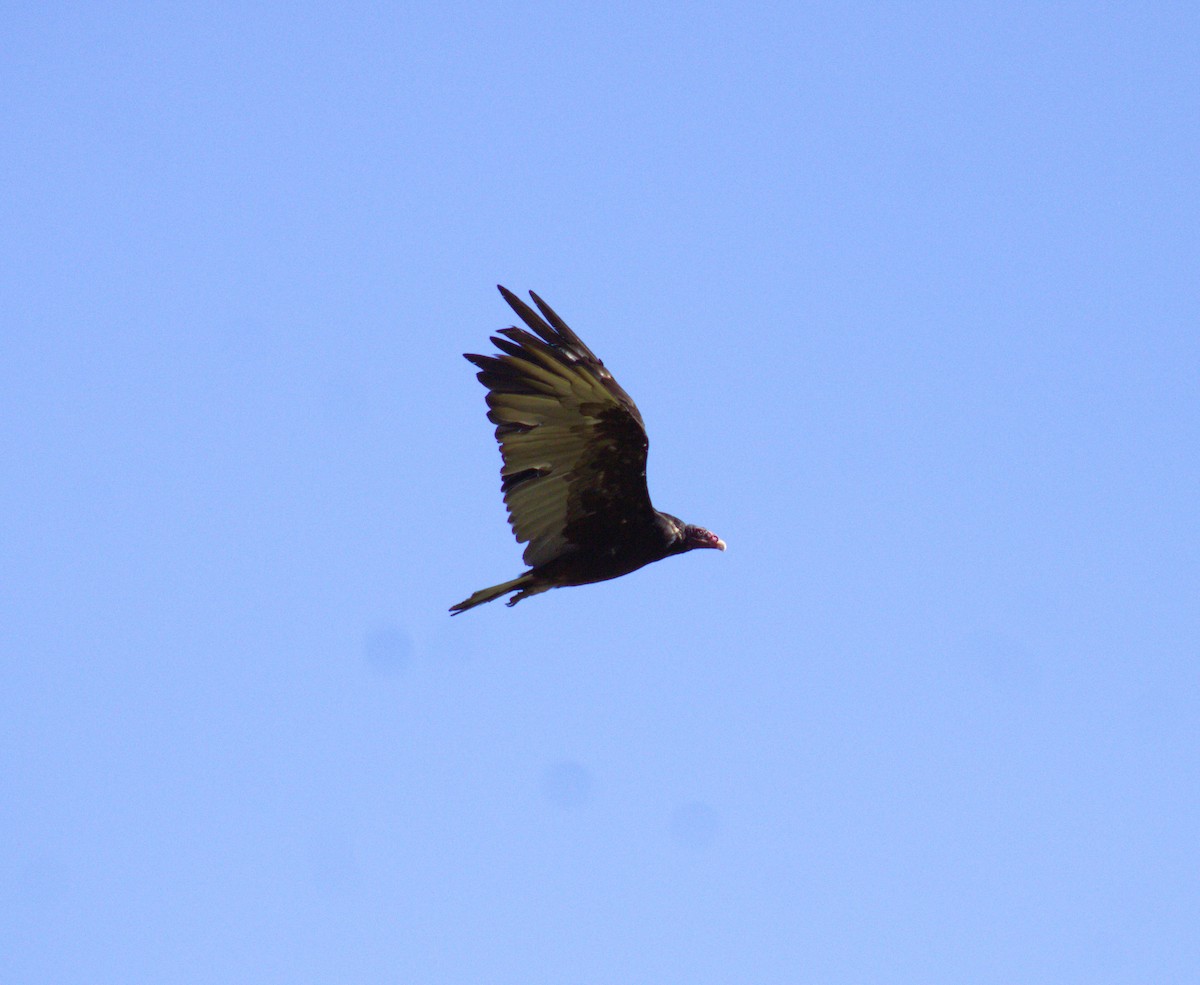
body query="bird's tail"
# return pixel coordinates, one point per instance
(525, 585)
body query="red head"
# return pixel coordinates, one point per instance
(699, 537)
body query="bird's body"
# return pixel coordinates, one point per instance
(574, 473)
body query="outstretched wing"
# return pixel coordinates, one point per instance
(573, 442)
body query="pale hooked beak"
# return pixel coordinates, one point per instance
(720, 545)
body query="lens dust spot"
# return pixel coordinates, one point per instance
(333, 863)
(387, 650)
(567, 784)
(694, 824)
(1003, 661)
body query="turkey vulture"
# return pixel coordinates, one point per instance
(574, 472)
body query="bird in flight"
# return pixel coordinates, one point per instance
(574, 473)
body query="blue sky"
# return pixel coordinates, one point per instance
(907, 296)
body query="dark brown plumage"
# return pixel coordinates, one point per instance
(574, 472)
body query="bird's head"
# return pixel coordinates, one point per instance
(687, 536)
(694, 537)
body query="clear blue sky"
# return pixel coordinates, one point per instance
(908, 297)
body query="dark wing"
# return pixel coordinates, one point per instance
(573, 442)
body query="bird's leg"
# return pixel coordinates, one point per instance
(535, 589)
